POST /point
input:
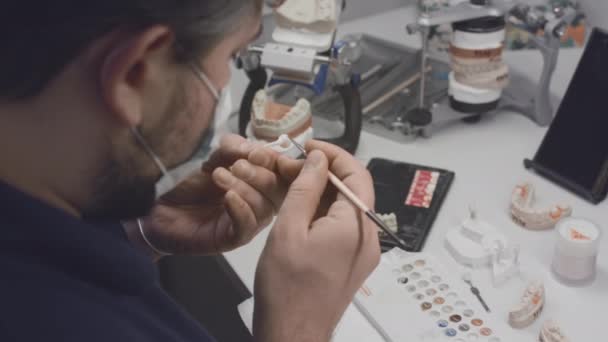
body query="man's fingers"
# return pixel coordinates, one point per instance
(341, 212)
(304, 195)
(355, 227)
(232, 148)
(261, 179)
(289, 168)
(348, 169)
(264, 157)
(262, 208)
(342, 163)
(242, 218)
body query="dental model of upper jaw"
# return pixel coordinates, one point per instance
(530, 306)
(552, 333)
(523, 214)
(269, 120)
(318, 16)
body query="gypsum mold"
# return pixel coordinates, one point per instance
(473, 242)
(270, 120)
(318, 16)
(552, 333)
(530, 306)
(523, 214)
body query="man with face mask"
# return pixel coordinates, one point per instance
(98, 101)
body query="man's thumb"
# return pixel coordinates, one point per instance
(304, 195)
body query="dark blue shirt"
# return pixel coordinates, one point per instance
(65, 280)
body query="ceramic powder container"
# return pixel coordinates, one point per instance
(576, 250)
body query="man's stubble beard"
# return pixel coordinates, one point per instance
(123, 190)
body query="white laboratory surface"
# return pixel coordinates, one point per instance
(487, 158)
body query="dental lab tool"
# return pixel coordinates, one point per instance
(301, 62)
(469, 81)
(284, 146)
(467, 278)
(478, 72)
(354, 199)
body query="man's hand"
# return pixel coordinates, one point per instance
(319, 252)
(219, 208)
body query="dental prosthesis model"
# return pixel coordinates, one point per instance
(530, 306)
(284, 146)
(318, 16)
(270, 120)
(552, 333)
(523, 214)
(391, 221)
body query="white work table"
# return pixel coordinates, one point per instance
(487, 158)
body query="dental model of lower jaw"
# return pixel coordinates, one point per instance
(523, 214)
(269, 120)
(318, 16)
(552, 333)
(530, 306)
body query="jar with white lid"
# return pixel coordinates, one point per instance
(576, 251)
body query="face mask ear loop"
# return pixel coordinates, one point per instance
(150, 153)
(201, 75)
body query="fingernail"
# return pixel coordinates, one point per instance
(224, 177)
(260, 157)
(243, 170)
(314, 160)
(245, 146)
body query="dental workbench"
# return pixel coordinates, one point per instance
(487, 159)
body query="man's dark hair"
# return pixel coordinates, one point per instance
(39, 38)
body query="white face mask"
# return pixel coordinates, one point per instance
(168, 182)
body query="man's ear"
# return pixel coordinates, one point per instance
(127, 69)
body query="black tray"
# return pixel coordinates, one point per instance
(392, 182)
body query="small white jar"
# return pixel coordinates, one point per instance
(576, 250)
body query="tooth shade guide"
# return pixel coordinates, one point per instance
(422, 189)
(442, 310)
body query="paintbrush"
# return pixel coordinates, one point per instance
(354, 199)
